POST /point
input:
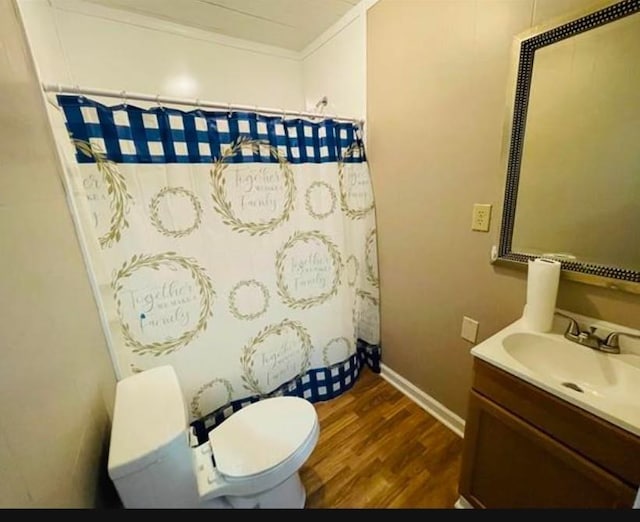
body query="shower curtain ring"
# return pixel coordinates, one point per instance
(229, 110)
(198, 104)
(158, 102)
(123, 94)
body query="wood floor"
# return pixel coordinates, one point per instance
(379, 449)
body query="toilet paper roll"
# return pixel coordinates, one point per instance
(543, 279)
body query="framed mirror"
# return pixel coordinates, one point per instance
(572, 148)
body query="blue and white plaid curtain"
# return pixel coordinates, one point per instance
(237, 247)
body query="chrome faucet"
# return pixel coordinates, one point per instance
(591, 339)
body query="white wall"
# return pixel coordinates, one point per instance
(80, 43)
(334, 65)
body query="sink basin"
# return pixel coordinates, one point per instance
(607, 385)
(577, 368)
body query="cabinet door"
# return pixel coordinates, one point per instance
(507, 463)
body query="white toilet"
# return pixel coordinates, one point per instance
(251, 460)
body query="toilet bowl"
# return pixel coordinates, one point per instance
(251, 460)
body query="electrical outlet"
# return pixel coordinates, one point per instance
(481, 217)
(469, 329)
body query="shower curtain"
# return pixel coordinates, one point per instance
(237, 247)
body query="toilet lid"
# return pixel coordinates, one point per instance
(262, 435)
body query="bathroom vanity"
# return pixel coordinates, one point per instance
(551, 424)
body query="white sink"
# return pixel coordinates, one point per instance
(607, 385)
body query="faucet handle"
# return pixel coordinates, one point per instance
(611, 340)
(572, 328)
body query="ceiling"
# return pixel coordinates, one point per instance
(291, 24)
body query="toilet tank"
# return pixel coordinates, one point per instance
(150, 458)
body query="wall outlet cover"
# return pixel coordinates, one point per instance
(481, 217)
(469, 329)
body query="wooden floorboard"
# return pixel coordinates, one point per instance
(379, 449)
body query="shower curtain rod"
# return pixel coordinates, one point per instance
(126, 96)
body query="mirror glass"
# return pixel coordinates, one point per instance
(573, 174)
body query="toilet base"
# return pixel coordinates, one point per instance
(289, 494)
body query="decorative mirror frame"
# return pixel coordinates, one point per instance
(523, 58)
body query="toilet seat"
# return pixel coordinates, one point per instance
(281, 424)
(261, 446)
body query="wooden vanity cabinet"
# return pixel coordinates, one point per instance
(526, 448)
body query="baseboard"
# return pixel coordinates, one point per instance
(425, 401)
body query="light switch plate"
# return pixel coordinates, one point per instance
(481, 217)
(469, 329)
